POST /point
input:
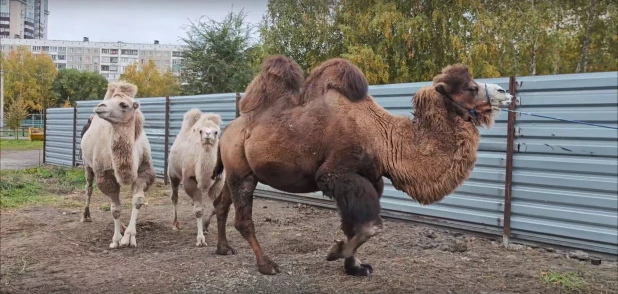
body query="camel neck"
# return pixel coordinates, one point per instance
(123, 144)
(427, 159)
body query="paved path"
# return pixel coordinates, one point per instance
(20, 159)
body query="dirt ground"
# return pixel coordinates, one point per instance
(47, 249)
(20, 159)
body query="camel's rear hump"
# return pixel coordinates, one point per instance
(280, 78)
(336, 74)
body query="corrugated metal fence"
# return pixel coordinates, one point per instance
(564, 176)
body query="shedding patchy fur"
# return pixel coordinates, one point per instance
(120, 88)
(278, 82)
(336, 74)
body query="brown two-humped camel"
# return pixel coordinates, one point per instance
(327, 134)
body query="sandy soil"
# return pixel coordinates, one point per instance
(47, 249)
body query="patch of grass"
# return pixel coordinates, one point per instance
(6, 145)
(38, 185)
(570, 281)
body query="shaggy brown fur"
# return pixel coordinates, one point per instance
(342, 143)
(277, 85)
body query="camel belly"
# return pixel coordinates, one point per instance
(284, 177)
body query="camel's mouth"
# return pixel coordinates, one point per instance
(208, 141)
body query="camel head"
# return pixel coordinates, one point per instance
(467, 97)
(208, 128)
(119, 105)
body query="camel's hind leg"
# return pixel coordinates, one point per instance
(192, 189)
(89, 180)
(222, 208)
(175, 184)
(242, 196)
(359, 205)
(213, 193)
(144, 180)
(108, 185)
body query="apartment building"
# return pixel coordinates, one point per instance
(23, 19)
(107, 58)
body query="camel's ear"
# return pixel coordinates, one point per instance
(443, 88)
(135, 105)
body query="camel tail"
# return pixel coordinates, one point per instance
(340, 75)
(280, 77)
(218, 170)
(190, 118)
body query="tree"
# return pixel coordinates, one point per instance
(303, 30)
(216, 58)
(16, 114)
(73, 85)
(150, 81)
(28, 77)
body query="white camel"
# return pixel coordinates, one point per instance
(191, 161)
(116, 151)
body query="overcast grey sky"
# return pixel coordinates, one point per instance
(138, 21)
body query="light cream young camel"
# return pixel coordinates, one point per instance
(191, 161)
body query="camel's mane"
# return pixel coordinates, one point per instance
(120, 87)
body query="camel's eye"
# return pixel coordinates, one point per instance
(473, 89)
(124, 105)
(216, 133)
(501, 91)
(200, 132)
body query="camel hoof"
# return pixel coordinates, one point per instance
(201, 241)
(225, 250)
(362, 270)
(114, 245)
(128, 240)
(86, 219)
(268, 267)
(335, 251)
(176, 226)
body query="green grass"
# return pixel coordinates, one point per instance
(38, 185)
(570, 281)
(7, 144)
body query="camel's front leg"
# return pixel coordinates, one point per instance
(143, 182)
(108, 185)
(192, 189)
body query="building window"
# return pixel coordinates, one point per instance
(105, 51)
(62, 57)
(62, 49)
(79, 59)
(79, 66)
(53, 49)
(113, 60)
(113, 51)
(70, 50)
(87, 51)
(95, 51)
(128, 52)
(105, 67)
(36, 48)
(105, 59)
(176, 54)
(113, 68)
(70, 58)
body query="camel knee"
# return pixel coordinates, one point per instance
(198, 210)
(138, 200)
(116, 211)
(244, 227)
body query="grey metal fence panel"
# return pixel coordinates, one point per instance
(565, 176)
(59, 137)
(154, 126)
(476, 205)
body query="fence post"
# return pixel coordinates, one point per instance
(510, 141)
(74, 133)
(237, 101)
(167, 139)
(44, 132)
